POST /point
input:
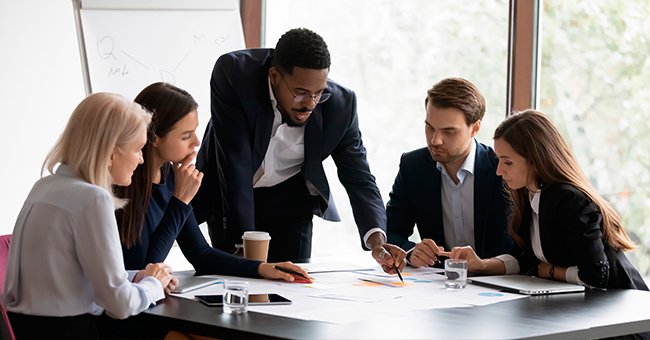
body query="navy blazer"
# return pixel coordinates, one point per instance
(570, 233)
(416, 200)
(167, 220)
(238, 135)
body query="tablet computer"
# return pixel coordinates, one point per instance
(253, 299)
(190, 283)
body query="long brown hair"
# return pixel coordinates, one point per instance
(169, 104)
(533, 136)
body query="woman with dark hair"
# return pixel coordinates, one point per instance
(159, 210)
(562, 228)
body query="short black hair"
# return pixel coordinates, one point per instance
(301, 47)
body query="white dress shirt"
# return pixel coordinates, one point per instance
(458, 202)
(286, 152)
(285, 156)
(65, 257)
(571, 272)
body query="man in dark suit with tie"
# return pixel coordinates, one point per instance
(449, 189)
(275, 117)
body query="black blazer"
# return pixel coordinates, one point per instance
(416, 200)
(570, 233)
(238, 135)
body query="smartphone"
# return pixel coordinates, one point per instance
(253, 299)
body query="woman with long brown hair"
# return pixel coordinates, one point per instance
(159, 210)
(562, 228)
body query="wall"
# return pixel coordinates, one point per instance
(40, 84)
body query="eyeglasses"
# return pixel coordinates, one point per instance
(301, 96)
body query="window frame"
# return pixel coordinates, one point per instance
(523, 51)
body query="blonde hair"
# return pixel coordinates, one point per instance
(101, 124)
(533, 136)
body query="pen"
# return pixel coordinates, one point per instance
(398, 273)
(290, 271)
(395, 267)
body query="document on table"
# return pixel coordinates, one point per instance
(333, 267)
(342, 297)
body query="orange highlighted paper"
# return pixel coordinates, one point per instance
(375, 283)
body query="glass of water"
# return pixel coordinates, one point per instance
(235, 297)
(456, 273)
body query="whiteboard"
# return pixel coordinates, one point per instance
(127, 45)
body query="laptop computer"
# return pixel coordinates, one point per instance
(528, 285)
(190, 283)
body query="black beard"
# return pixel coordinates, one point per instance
(290, 122)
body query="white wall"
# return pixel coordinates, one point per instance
(40, 84)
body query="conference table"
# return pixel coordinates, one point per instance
(588, 315)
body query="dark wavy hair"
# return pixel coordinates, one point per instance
(168, 104)
(300, 47)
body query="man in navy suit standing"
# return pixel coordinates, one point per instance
(275, 117)
(449, 189)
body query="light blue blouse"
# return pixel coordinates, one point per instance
(65, 257)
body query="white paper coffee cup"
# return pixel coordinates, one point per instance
(256, 245)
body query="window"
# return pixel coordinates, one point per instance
(594, 72)
(390, 53)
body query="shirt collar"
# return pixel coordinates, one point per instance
(468, 165)
(277, 120)
(65, 170)
(274, 101)
(534, 201)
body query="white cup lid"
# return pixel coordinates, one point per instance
(256, 236)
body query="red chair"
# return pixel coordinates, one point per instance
(5, 327)
(4, 255)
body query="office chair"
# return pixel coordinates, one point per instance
(5, 327)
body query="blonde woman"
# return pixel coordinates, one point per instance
(65, 274)
(563, 229)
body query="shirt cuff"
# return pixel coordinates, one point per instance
(511, 263)
(572, 275)
(408, 255)
(131, 274)
(370, 232)
(153, 288)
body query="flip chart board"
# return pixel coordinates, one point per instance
(126, 45)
